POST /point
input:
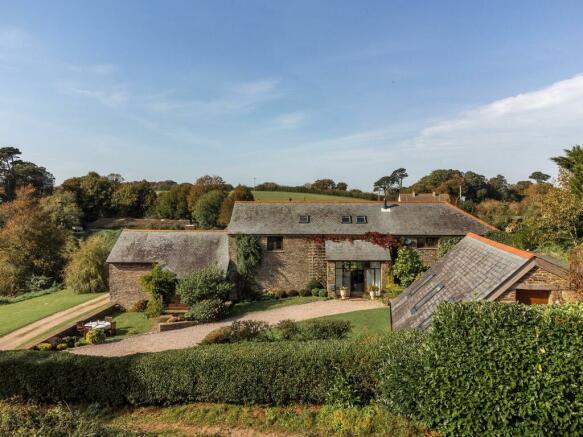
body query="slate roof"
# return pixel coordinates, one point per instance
(475, 269)
(358, 250)
(282, 218)
(179, 251)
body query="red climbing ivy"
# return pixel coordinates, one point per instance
(386, 241)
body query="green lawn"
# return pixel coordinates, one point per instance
(130, 323)
(283, 196)
(365, 322)
(262, 305)
(17, 315)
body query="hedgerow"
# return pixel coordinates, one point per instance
(249, 373)
(492, 369)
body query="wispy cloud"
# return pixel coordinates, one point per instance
(110, 98)
(290, 120)
(15, 39)
(96, 69)
(240, 98)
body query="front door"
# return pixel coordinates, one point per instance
(533, 297)
(357, 281)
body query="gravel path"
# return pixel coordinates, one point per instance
(17, 338)
(179, 339)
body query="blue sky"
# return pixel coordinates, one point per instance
(291, 91)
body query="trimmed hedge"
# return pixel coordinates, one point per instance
(491, 368)
(248, 373)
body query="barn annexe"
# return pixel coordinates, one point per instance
(481, 269)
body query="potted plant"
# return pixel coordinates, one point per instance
(372, 291)
(343, 292)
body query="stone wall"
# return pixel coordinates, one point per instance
(543, 279)
(428, 255)
(301, 259)
(124, 283)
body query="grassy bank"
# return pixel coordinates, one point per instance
(365, 322)
(16, 315)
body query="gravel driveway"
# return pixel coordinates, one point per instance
(186, 337)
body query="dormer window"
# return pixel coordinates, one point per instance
(304, 219)
(361, 220)
(346, 219)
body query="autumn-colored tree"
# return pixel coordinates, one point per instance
(324, 184)
(240, 193)
(31, 244)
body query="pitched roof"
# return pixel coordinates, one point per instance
(475, 269)
(357, 250)
(325, 218)
(179, 251)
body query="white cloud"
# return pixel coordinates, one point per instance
(15, 39)
(290, 120)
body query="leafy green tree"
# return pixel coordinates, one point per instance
(87, 270)
(133, 199)
(438, 179)
(204, 284)
(93, 193)
(476, 186)
(446, 244)
(572, 163)
(173, 204)
(203, 185)
(206, 210)
(539, 177)
(391, 183)
(63, 209)
(240, 193)
(498, 188)
(160, 282)
(408, 266)
(16, 173)
(342, 186)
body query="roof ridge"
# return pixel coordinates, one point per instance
(380, 202)
(502, 246)
(175, 230)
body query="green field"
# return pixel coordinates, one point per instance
(17, 315)
(365, 322)
(130, 323)
(284, 195)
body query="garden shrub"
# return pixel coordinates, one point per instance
(305, 292)
(207, 283)
(291, 293)
(44, 346)
(208, 310)
(155, 307)
(36, 283)
(160, 282)
(322, 292)
(313, 283)
(247, 373)
(62, 346)
(408, 266)
(95, 336)
(288, 329)
(445, 244)
(315, 292)
(238, 331)
(248, 255)
(139, 306)
(325, 329)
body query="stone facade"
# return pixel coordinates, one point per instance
(301, 259)
(541, 279)
(428, 255)
(124, 283)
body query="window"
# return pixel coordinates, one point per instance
(346, 219)
(304, 219)
(274, 243)
(361, 220)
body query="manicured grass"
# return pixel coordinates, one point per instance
(17, 315)
(262, 305)
(366, 322)
(130, 323)
(284, 195)
(225, 419)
